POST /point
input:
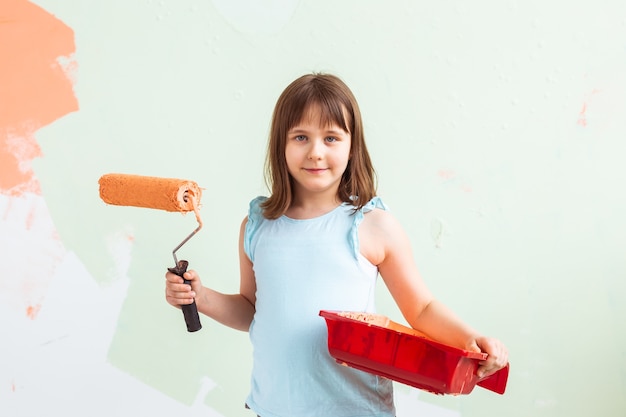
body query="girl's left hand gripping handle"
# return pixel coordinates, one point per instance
(190, 311)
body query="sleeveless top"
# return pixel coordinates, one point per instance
(302, 267)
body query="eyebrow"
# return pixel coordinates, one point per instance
(329, 131)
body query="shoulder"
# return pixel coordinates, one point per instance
(255, 211)
(379, 233)
(381, 222)
(255, 203)
(251, 223)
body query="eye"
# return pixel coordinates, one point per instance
(331, 139)
(299, 138)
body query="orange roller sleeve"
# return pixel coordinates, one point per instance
(150, 192)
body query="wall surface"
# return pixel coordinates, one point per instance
(497, 129)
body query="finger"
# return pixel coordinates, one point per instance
(190, 275)
(171, 277)
(177, 296)
(485, 371)
(193, 279)
(179, 289)
(494, 348)
(495, 360)
(492, 364)
(181, 301)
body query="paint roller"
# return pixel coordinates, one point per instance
(168, 194)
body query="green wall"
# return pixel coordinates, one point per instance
(497, 129)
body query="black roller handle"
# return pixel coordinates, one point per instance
(190, 311)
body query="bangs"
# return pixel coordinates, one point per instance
(333, 109)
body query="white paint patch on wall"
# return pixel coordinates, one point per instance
(60, 358)
(31, 251)
(119, 244)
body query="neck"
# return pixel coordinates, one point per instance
(312, 206)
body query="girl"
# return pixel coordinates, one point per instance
(318, 242)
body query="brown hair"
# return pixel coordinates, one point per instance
(338, 106)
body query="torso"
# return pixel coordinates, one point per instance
(302, 266)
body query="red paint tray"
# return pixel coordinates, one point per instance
(375, 344)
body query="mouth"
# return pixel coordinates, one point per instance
(315, 170)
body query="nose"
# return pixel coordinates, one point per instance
(316, 150)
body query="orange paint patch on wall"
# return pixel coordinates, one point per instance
(582, 115)
(32, 311)
(35, 88)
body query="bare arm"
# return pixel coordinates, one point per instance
(384, 243)
(232, 310)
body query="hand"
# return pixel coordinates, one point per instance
(178, 293)
(498, 355)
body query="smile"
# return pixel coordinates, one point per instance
(315, 170)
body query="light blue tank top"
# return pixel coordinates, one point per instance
(302, 267)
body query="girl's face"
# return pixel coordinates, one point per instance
(317, 155)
